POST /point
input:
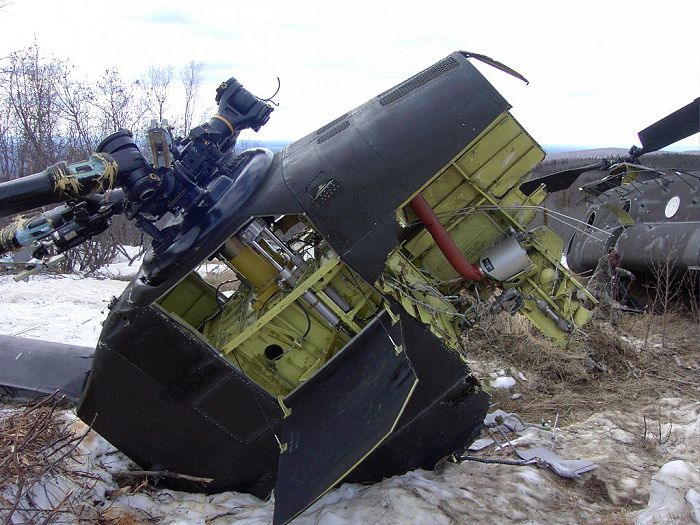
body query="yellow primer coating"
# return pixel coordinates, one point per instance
(478, 200)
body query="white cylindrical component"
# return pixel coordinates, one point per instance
(504, 260)
(325, 312)
(297, 260)
(334, 296)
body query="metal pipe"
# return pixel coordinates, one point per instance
(545, 309)
(308, 297)
(443, 240)
(325, 312)
(297, 260)
(267, 256)
(334, 296)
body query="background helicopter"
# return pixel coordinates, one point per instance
(339, 355)
(649, 215)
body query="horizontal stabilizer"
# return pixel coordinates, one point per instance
(33, 367)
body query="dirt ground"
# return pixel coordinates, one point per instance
(627, 396)
(625, 366)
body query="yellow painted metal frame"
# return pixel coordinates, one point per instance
(473, 195)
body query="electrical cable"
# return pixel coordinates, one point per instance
(269, 99)
(269, 299)
(218, 304)
(221, 306)
(308, 319)
(558, 216)
(435, 310)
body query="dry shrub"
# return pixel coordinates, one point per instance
(648, 327)
(608, 351)
(36, 446)
(599, 367)
(595, 489)
(596, 349)
(512, 339)
(26, 436)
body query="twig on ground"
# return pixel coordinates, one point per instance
(161, 474)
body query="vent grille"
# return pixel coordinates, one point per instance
(414, 83)
(333, 132)
(328, 126)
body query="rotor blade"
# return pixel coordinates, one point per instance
(26, 193)
(34, 367)
(672, 128)
(560, 180)
(495, 63)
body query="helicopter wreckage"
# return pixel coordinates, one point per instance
(650, 216)
(362, 250)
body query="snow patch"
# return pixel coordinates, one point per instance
(61, 309)
(503, 382)
(673, 497)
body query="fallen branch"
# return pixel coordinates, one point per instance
(161, 474)
(657, 376)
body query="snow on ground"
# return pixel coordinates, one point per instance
(454, 493)
(123, 267)
(658, 468)
(57, 308)
(503, 382)
(674, 495)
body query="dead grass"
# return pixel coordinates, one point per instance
(512, 339)
(602, 366)
(595, 489)
(617, 518)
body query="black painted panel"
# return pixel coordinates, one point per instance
(339, 415)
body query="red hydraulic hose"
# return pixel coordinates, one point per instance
(444, 241)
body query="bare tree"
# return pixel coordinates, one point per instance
(664, 288)
(29, 85)
(157, 82)
(74, 104)
(8, 144)
(121, 105)
(191, 78)
(692, 285)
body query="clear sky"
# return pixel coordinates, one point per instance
(599, 71)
